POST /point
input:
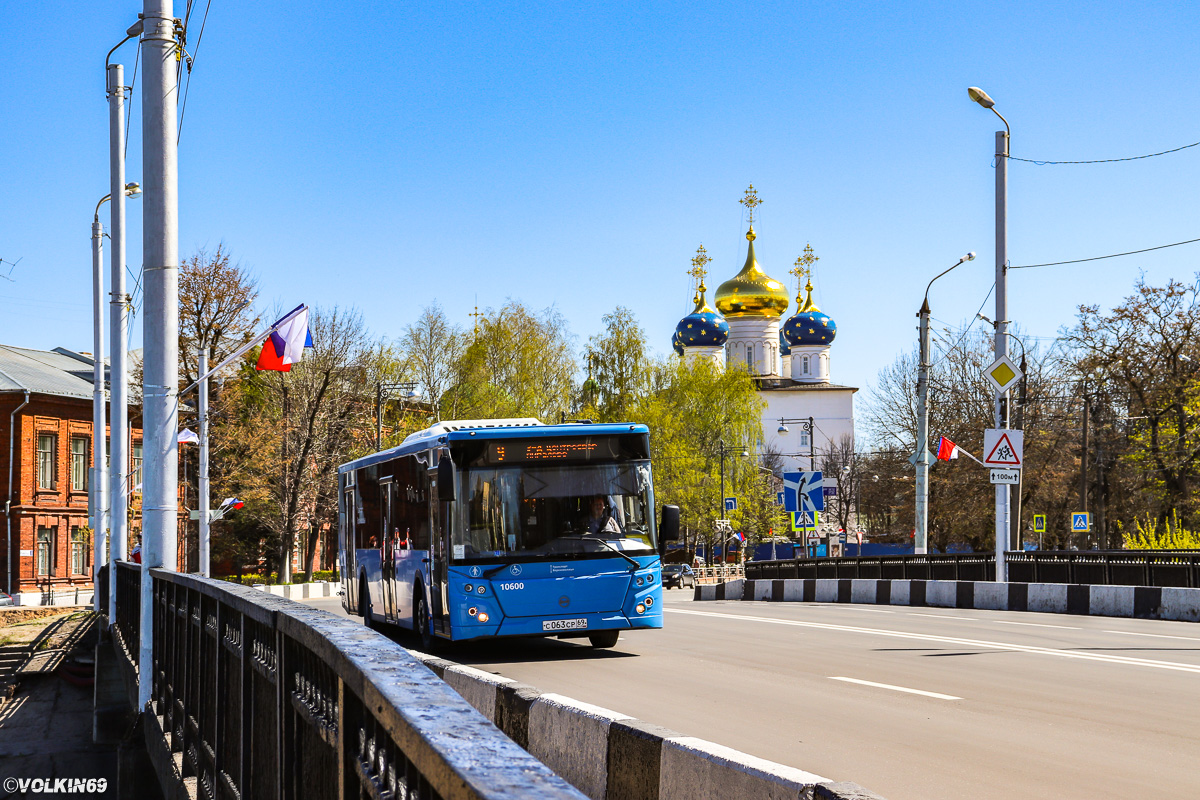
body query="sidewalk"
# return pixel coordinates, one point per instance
(46, 724)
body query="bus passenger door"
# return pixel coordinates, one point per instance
(346, 546)
(439, 552)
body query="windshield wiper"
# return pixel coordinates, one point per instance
(610, 546)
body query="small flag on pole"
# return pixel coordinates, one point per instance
(230, 503)
(188, 437)
(947, 450)
(285, 346)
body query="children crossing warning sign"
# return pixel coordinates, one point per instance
(1003, 448)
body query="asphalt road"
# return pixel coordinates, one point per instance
(908, 702)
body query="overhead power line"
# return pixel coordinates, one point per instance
(1103, 160)
(1100, 258)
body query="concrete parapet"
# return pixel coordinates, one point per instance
(571, 738)
(1180, 604)
(942, 594)
(1047, 598)
(1111, 601)
(693, 769)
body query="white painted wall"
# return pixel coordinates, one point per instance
(832, 410)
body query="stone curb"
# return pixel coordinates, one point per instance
(299, 591)
(611, 756)
(1144, 602)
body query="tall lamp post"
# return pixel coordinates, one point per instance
(921, 534)
(98, 487)
(721, 447)
(1003, 139)
(808, 425)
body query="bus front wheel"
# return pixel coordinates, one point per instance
(604, 639)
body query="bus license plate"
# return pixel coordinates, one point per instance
(563, 624)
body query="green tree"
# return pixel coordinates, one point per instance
(617, 363)
(690, 410)
(521, 364)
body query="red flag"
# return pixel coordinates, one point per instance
(947, 450)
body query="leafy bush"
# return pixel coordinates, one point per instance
(1173, 535)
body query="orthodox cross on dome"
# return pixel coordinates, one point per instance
(477, 315)
(699, 268)
(751, 201)
(803, 270)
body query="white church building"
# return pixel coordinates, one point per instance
(790, 362)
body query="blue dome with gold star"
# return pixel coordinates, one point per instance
(701, 328)
(785, 349)
(810, 325)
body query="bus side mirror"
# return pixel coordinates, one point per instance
(445, 479)
(668, 529)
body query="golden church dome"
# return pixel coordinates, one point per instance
(752, 292)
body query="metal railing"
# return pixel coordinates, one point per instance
(1110, 567)
(718, 573)
(266, 698)
(1107, 567)
(935, 566)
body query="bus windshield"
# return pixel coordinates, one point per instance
(555, 511)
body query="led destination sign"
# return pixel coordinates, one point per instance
(573, 450)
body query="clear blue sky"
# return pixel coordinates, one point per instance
(386, 155)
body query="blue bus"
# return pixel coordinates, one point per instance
(488, 528)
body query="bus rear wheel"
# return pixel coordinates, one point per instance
(421, 621)
(364, 603)
(604, 639)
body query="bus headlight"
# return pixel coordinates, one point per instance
(638, 580)
(641, 609)
(649, 601)
(483, 617)
(472, 611)
(480, 589)
(468, 588)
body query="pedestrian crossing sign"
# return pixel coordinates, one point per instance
(804, 520)
(1039, 523)
(1081, 522)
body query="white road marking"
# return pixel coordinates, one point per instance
(1156, 635)
(936, 695)
(942, 616)
(1036, 625)
(872, 610)
(958, 641)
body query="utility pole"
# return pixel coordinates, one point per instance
(98, 486)
(118, 370)
(1002, 498)
(921, 538)
(160, 253)
(202, 504)
(1083, 467)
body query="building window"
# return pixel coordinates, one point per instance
(45, 550)
(135, 482)
(804, 365)
(750, 358)
(79, 552)
(804, 439)
(79, 464)
(47, 444)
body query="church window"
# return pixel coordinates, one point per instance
(804, 365)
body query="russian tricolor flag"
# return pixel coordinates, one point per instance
(946, 450)
(285, 345)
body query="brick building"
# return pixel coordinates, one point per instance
(45, 464)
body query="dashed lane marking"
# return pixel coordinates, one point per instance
(1036, 625)
(905, 689)
(942, 616)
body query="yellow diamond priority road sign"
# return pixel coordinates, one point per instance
(1003, 374)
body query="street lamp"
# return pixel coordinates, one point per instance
(382, 392)
(98, 487)
(808, 425)
(723, 450)
(1002, 152)
(922, 456)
